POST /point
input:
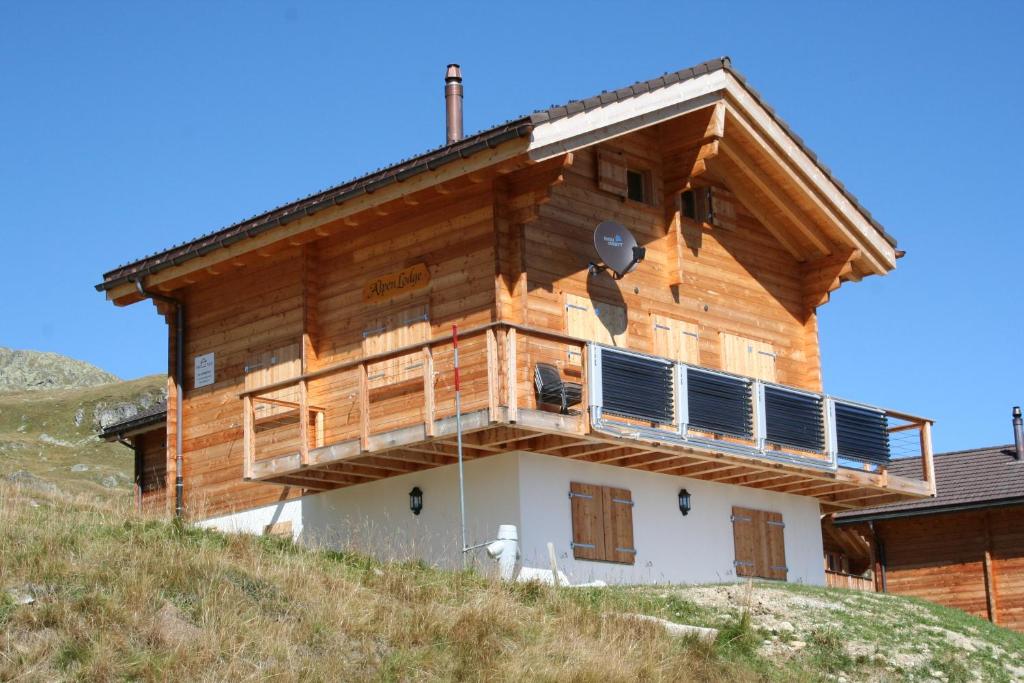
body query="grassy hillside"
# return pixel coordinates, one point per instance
(89, 591)
(48, 437)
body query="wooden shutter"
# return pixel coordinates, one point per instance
(775, 546)
(748, 357)
(759, 540)
(588, 537)
(611, 172)
(618, 525)
(743, 537)
(595, 320)
(394, 331)
(675, 339)
(269, 367)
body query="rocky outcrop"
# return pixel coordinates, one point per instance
(36, 370)
(106, 413)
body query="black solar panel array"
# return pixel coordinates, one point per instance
(636, 386)
(862, 433)
(793, 419)
(719, 404)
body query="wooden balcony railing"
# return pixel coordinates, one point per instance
(405, 399)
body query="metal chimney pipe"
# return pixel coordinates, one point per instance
(1018, 434)
(453, 103)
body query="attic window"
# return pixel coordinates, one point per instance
(697, 205)
(636, 186)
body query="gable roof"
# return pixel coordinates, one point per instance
(982, 477)
(436, 158)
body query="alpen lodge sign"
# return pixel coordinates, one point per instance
(391, 285)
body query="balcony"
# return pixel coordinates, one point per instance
(392, 413)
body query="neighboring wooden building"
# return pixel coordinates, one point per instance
(146, 434)
(314, 380)
(964, 548)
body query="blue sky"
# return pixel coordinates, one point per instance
(128, 127)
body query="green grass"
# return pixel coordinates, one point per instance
(38, 435)
(117, 596)
(121, 597)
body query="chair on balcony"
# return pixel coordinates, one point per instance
(553, 390)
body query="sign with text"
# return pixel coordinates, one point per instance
(391, 285)
(204, 375)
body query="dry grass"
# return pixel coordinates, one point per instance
(121, 597)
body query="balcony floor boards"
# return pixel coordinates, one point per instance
(409, 449)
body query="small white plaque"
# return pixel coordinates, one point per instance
(204, 370)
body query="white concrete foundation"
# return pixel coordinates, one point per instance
(531, 491)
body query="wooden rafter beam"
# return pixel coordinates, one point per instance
(785, 205)
(835, 217)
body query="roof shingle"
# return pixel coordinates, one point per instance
(975, 478)
(431, 160)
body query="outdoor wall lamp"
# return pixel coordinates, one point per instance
(684, 502)
(416, 500)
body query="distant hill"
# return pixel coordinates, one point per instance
(40, 370)
(51, 408)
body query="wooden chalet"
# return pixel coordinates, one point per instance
(964, 548)
(310, 348)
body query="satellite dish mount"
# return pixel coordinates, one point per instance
(617, 248)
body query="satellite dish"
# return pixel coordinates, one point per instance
(617, 248)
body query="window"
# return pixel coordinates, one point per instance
(616, 177)
(675, 339)
(698, 205)
(602, 523)
(636, 185)
(759, 539)
(397, 330)
(748, 357)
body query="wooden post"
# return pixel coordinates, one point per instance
(510, 371)
(585, 394)
(364, 408)
(927, 464)
(991, 603)
(303, 423)
(428, 391)
(492, 376)
(319, 428)
(248, 437)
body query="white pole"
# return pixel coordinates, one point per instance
(458, 440)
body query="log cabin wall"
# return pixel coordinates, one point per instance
(513, 246)
(736, 279)
(972, 561)
(153, 481)
(303, 308)
(233, 316)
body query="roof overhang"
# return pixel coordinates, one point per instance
(754, 142)
(757, 129)
(860, 517)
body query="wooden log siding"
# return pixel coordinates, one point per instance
(971, 560)
(506, 246)
(153, 482)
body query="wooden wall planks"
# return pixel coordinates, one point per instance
(949, 567)
(515, 248)
(736, 278)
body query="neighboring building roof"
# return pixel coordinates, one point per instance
(982, 477)
(434, 159)
(150, 417)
